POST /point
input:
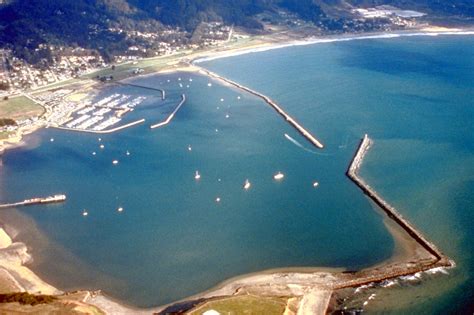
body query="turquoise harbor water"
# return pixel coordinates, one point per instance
(414, 96)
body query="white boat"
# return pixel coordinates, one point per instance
(197, 176)
(247, 184)
(127, 153)
(120, 209)
(218, 199)
(114, 162)
(85, 213)
(315, 184)
(279, 176)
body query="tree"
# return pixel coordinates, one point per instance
(4, 86)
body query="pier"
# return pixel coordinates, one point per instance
(134, 123)
(163, 93)
(35, 201)
(305, 133)
(171, 116)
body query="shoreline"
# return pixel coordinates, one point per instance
(423, 32)
(302, 274)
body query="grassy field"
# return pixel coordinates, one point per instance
(245, 304)
(125, 70)
(19, 107)
(57, 85)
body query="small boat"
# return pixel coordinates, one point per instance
(222, 99)
(120, 209)
(52, 139)
(278, 176)
(102, 146)
(238, 97)
(85, 213)
(114, 162)
(197, 176)
(209, 84)
(247, 184)
(127, 153)
(315, 184)
(93, 153)
(190, 148)
(227, 116)
(218, 199)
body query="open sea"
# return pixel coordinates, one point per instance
(413, 95)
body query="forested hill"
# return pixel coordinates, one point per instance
(26, 24)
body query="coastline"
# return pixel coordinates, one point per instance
(13, 257)
(23, 279)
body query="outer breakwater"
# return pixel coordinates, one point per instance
(163, 93)
(171, 116)
(273, 104)
(379, 274)
(137, 122)
(385, 206)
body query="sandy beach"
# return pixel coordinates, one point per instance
(312, 287)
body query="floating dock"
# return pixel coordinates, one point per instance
(134, 123)
(35, 201)
(170, 117)
(274, 105)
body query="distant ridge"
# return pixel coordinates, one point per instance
(25, 25)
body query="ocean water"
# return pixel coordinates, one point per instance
(414, 96)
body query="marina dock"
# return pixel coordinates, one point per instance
(305, 133)
(171, 116)
(35, 201)
(134, 123)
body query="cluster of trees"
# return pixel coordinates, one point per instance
(7, 122)
(25, 24)
(4, 86)
(26, 298)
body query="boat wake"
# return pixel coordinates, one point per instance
(302, 146)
